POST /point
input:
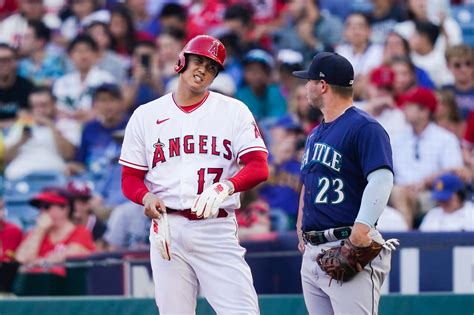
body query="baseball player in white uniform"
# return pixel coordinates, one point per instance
(188, 154)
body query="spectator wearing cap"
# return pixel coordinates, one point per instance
(308, 30)
(55, 237)
(262, 96)
(454, 212)
(282, 189)
(83, 213)
(39, 65)
(288, 61)
(74, 90)
(421, 153)
(381, 102)
(98, 150)
(40, 140)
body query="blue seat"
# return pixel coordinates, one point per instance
(464, 15)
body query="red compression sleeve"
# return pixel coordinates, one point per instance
(133, 186)
(254, 172)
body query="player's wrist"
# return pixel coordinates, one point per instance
(230, 185)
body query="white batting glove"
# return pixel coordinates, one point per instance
(207, 204)
(160, 236)
(391, 244)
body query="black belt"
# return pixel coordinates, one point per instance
(329, 235)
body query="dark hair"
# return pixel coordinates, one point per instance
(174, 10)
(83, 39)
(404, 59)
(174, 32)
(124, 12)
(7, 46)
(239, 11)
(448, 98)
(104, 26)
(429, 30)
(343, 91)
(144, 43)
(363, 15)
(43, 89)
(109, 88)
(41, 30)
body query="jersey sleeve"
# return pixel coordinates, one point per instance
(133, 147)
(373, 148)
(248, 136)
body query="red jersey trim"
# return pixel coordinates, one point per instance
(250, 149)
(191, 108)
(133, 165)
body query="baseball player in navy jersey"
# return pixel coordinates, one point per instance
(186, 156)
(347, 178)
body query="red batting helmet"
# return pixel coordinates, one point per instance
(202, 45)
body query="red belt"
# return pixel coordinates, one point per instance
(192, 216)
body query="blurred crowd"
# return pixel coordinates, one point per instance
(73, 71)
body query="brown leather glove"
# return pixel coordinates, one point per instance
(345, 261)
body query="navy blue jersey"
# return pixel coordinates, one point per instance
(338, 157)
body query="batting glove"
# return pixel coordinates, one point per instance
(160, 236)
(207, 204)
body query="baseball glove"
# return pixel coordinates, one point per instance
(160, 236)
(345, 261)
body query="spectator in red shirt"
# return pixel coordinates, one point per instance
(10, 236)
(55, 237)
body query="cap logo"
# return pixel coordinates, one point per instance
(214, 47)
(439, 186)
(322, 75)
(351, 82)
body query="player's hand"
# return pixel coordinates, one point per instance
(207, 204)
(360, 235)
(300, 241)
(160, 236)
(44, 222)
(153, 206)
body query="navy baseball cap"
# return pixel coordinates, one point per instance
(330, 67)
(445, 186)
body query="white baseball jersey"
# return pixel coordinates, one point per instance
(185, 152)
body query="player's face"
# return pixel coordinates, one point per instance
(314, 93)
(200, 72)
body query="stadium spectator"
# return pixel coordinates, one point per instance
(10, 236)
(144, 21)
(13, 28)
(362, 54)
(73, 91)
(259, 93)
(38, 65)
(55, 237)
(308, 30)
(405, 77)
(98, 150)
(397, 47)
(203, 16)
(169, 43)
(425, 56)
(14, 89)
(253, 220)
(127, 228)
(83, 12)
(288, 61)
(381, 102)
(430, 11)
(108, 60)
(123, 31)
(83, 213)
(391, 220)
(460, 59)
(40, 140)
(383, 17)
(282, 189)
(308, 116)
(420, 154)
(173, 15)
(145, 83)
(454, 212)
(448, 115)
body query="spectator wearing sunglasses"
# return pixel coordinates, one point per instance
(460, 60)
(55, 237)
